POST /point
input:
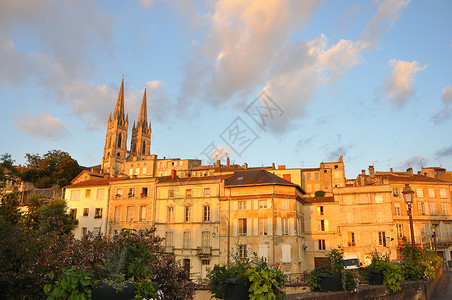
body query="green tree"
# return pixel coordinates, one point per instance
(54, 217)
(10, 214)
(7, 170)
(53, 167)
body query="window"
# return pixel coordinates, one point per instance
(100, 194)
(420, 193)
(321, 245)
(187, 240)
(131, 192)
(118, 214)
(205, 239)
(445, 207)
(399, 228)
(88, 193)
(142, 213)
(242, 204)
(75, 195)
(420, 206)
(284, 204)
(242, 226)
(395, 192)
(85, 212)
(206, 213)
(205, 262)
(73, 213)
(443, 193)
(323, 225)
(397, 209)
(308, 176)
(242, 251)
(262, 204)
(171, 194)
(378, 199)
(144, 192)
(351, 239)
(285, 226)
(118, 193)
(263, 226)
(188, 193)
(433, 209)
(286, 257)
(130, 213)
(169, 239)
(382, 238)
(170, 214)
(320, 210)
(316, 175)
(187, 214)
(98, 213)
(84, 230)
(207, 192)
(431, 193)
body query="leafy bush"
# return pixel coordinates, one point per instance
(392, 272)
(319, 193)
(72, 284)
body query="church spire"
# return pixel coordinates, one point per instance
(142, 119)
(119, 109)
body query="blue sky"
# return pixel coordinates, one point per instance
(369, 80)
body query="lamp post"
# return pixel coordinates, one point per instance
(408, 197)
(434, 236)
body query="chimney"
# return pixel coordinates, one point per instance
(410, 171)
(391, 170)
(281, 167)
(419, 173)
(371, 171)
(218, 163)
(173, 174)
(273, 166)
(228, 162)
(363, 172)
(341, 159)
(245, 166)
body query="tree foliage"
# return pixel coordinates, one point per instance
(54, 167)
(7, 170)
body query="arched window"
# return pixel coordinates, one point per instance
(143, 148)
(119, 140)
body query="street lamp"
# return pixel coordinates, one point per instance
(434, 236)
(408, 196)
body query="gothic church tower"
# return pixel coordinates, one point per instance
(115, 149)
(140, 145)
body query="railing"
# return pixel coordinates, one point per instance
(168, 249)
(297, 278)
(205, 250)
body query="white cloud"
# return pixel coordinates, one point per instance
(146, 3)
(446, 97)
(41, 126)
(158, 101)
(399, 87)
(385, 17)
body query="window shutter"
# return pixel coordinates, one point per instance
(270, 226)
(249, 227)
(286, 255)
(249, 251)
(278, 226)
(426, 208)
(234, 227)
(234, 205)
(291, 226)
(269, 203)
(316, 244)
(256, 226)
(327, 245)
(357, 241)
(234, 251)
(248, 204)
(263, 252)
(256, 204)
(144, 170)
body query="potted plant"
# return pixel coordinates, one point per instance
(247, 279)
(382, 271)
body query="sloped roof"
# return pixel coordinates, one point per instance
(95, 182)
(318, 199)
(397, 177)
(257, 177)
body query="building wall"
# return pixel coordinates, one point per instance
(91, 210)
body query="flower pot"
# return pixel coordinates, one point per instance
(376, 277)
(236, 289)
(330, 282)
(107, 292)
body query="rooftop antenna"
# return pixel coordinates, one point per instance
(374, 162)
(301, 163)
(389, 165)
(439, 163)
(422, 162)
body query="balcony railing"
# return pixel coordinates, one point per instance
(205, 251)
(169, 249)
